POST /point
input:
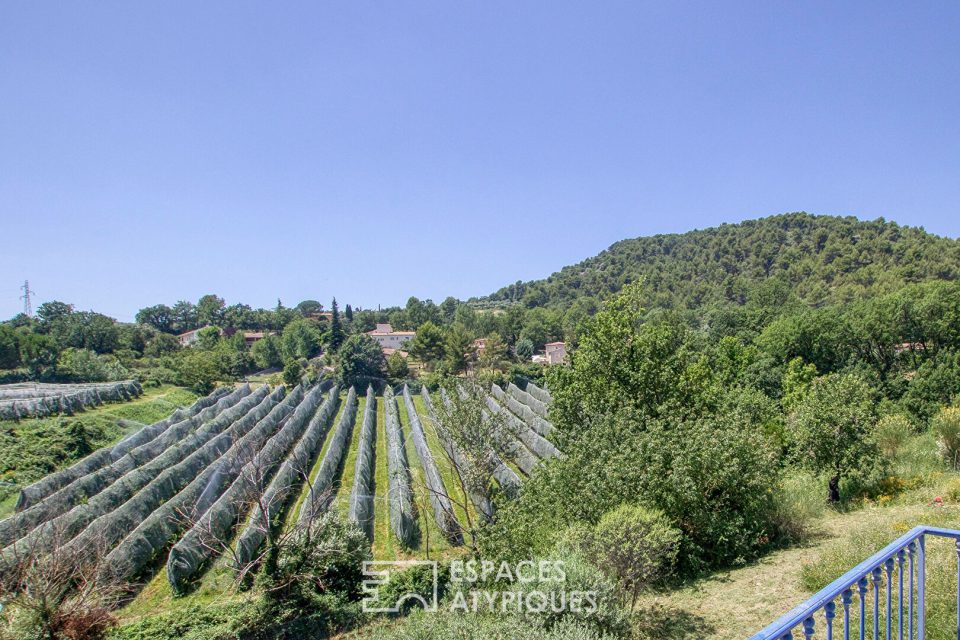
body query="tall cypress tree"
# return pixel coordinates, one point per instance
(336, 329)
(348, 312)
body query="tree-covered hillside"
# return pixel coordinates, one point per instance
(821, 260)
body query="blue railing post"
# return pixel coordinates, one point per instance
(876, 603)
(888, 566)
(847, 598)
(958, 589)
(830, 612)
(911, 549)
(900, 591)
(921, 588)
(862, 590)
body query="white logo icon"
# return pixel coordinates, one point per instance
(380, 572)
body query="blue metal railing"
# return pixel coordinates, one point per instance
(836, 598)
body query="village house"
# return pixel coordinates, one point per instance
(390, 339)
(554, 353)
(188, 338)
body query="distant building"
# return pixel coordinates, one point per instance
(479, 345)
(556, 352)
(187, 338)
(390, 339)
(249, 337)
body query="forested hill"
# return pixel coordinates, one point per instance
(821, 259)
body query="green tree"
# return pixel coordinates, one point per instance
(208, 337)
(361, 362)
(210, 310)
(300, 339)
(183, 316)
(524, 349)
(336, 335)
(946, 425)
(309, 306)
(457, 347)
(86, 330)
(292, 373)
(796, 382)
(200, 370)
(428, 345)
(54, 310)
(633, 544)
(397, 368)
(160, 317)
(267, 353)
(494, 353)
(9, 349)
(38, 353)
(83, 365)
(831, 428)
(161, 344)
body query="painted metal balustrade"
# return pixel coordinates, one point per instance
(899, 570)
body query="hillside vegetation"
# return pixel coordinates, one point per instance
(820, 260)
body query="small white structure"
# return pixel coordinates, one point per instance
(187, 338)
(556, 352)
(390, 339)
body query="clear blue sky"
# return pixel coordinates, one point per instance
(153, 151)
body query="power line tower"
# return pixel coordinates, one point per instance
(27, 305)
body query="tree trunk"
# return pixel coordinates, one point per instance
(834, 490)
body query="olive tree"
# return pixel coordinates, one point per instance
(831, 428)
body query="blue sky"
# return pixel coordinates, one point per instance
(156, 151)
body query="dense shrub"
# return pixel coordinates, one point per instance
(456, 626)
(798, 502)
(632, 544)
(891, 432)
(711, 476)
(946, 425)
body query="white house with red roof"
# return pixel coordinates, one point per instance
(390, 339)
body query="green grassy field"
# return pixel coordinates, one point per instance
(736, 603)
(31, 449)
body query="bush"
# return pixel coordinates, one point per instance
(292, 373)
(798, 501)
(711, 476)
(452, 626)
(891, 432)
(581, 576)
(946, 425)
(327, 558)
(632, 544)
(397, 368)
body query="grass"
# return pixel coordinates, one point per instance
(739, 602)
(31, 449)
